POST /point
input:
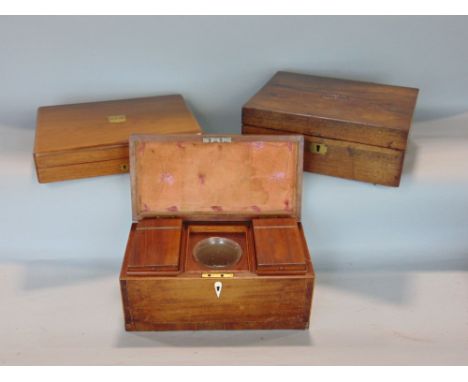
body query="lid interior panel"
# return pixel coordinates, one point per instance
(214, 176)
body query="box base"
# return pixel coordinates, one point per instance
(179, 303)
(349, 160)
(82, 170)
(236, 297)
(280, 325)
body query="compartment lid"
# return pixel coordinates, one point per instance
(97, 131)
(216, 176)
(360, 112)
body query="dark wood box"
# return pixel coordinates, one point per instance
(187, 190)
(354, 130)
(91, 139)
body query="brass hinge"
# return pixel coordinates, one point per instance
(217, 139)
(217, 275)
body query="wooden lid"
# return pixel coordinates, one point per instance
(279, 248)
(216, 177)
(69, 134)
(352, 111)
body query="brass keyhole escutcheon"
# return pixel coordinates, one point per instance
(318, 148)
(124, 167)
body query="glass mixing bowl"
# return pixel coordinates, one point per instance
(217, 252)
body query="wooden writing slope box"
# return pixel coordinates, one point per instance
(216, 241)
(353, 130)
(91, 139)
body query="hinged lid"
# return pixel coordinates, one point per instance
(216, 177)
(99, 131)
(353, 111)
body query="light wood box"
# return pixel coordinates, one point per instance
(91, 139)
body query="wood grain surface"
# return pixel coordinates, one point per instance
(157, 247)
(348, 160)
(188, 301)
(358, 121)
(82, 138)
(278, 247)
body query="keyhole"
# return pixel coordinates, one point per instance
(318, 148)
(218, 286)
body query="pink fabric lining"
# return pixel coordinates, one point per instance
(229, 178)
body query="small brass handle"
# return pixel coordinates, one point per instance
(124, 167)
(318, 148)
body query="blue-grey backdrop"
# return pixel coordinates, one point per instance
(219, 62)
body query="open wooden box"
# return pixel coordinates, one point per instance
(216, 241)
